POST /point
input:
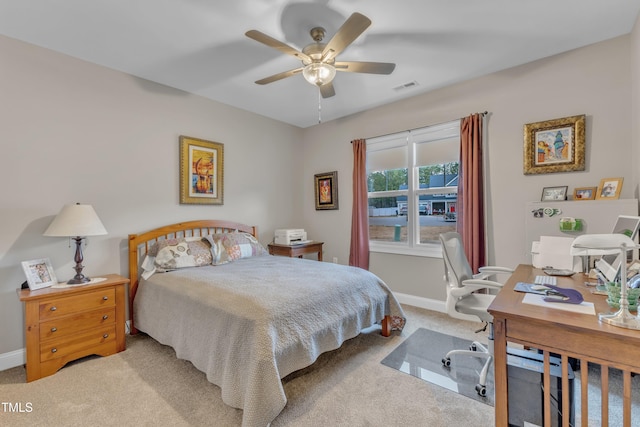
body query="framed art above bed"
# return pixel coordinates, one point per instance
(201, 171)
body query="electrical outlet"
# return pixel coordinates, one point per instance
(335, 259)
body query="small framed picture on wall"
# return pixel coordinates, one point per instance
(326, 190)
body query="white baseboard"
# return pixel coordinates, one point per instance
(12, 359)
(431, 304)
(421, 302)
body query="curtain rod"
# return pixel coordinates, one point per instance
(484, 113)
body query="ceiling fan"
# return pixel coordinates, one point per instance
(319, 63)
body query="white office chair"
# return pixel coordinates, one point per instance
(464, 303)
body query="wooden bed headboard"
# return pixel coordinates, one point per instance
(139, 244)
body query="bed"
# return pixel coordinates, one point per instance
(247, 319)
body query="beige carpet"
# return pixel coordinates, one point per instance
(147, 385)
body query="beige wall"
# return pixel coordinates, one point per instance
(593, 80)
(72, 131)
(76, 132)
(635, 106)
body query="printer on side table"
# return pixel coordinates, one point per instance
(293, 242)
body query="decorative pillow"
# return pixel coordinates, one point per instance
(171, 254)
(227, 247)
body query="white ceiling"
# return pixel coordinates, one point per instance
(199, 46)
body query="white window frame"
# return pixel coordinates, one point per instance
(414, 137)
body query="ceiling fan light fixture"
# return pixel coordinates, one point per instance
(319, 73)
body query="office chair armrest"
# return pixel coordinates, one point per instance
(490, 271)
(476, 284)
(495, 270)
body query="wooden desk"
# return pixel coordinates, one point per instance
(567, 334)
(296, 250)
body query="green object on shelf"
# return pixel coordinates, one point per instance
(570, 224)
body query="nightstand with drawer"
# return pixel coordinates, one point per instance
(297, 250)
(65, 324)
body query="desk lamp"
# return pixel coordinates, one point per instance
(77, 222)
(609, 244)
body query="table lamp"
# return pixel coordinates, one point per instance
(77, 222)
(609, 244)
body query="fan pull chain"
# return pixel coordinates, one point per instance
(319, 107)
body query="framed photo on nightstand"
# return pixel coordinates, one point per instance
(39, 273)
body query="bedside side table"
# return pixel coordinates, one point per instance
(296, 250)
(65, 324)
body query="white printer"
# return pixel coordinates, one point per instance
(290, 236)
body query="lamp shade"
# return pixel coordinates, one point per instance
(76, 220)
(600, 244)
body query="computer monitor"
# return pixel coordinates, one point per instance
(609, 271)
(627, 225)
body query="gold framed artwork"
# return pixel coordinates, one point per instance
(39, 273)
(554, 145)
(585, 193)
(326, 190)
(609, 189)
(201, 172)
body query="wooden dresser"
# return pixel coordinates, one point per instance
(65, 324)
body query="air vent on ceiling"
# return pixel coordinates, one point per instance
(406, 86)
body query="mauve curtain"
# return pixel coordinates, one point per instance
(359, 251)
(470, 206)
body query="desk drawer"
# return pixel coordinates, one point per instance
(75, 323)
(69, 305)
(65, 346)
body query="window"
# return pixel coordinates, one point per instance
(412, 180)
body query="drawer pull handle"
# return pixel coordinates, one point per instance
(54, 308)
(105, 336)
(105, 317)
(105, 297)
(53, 350)
(54, 329)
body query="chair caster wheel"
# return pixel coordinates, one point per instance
(481, 390)
(446, 362)
(473, 347)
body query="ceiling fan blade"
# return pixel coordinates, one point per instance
(276, 44)
(365, 67)
(279, 76)
(346, 34)
(327, 90)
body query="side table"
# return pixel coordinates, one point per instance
(297, 250)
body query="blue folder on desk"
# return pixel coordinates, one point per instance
(528, 288)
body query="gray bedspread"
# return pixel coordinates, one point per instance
(249, 323)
